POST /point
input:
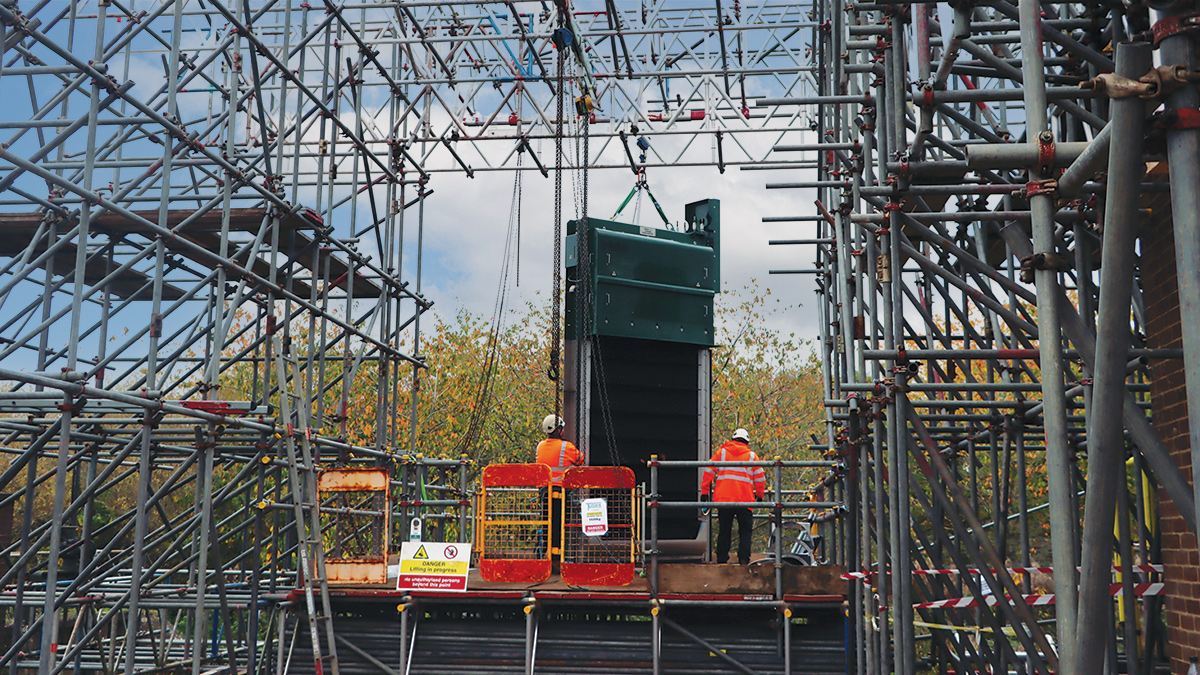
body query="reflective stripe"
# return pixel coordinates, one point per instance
(562, 453)
(745, 483)
(717, 474)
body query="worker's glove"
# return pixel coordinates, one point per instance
(703, 498)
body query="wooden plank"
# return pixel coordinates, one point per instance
(17, 230)
(757, 580)
(123, 286)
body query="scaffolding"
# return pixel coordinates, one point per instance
(988, 326)
(211, 226)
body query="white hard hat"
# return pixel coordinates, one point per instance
(552, 423)
(741, 435)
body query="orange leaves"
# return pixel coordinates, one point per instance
(456, 351)
(763, 380)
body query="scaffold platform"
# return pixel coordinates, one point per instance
(552, 627)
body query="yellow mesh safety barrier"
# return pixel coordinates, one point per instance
(514, 523)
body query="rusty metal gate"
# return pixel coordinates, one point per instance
(513, 533)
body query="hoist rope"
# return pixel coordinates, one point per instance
(556, 290)
(510, 263)
(587, 299)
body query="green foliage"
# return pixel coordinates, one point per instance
(765, 381)
(519, 393)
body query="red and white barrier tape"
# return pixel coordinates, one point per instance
(1032, 600)
(1011, 570)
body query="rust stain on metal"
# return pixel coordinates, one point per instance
(356, 571)
(353, 480)
(516, 475)
(599, 477)
(750, 580)
(597, 574)
(515, 571)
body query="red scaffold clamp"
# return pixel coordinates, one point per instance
(1175, 25)
(1180, 118)
(1047, 186)
(1046, 151)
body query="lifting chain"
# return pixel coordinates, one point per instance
(556, 291)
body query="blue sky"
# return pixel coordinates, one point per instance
(467, 220)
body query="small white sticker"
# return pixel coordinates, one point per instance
(595, 516)
(646, 231)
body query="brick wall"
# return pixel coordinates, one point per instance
(1180, 559)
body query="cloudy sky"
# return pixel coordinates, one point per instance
(466, 221)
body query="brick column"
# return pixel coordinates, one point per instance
(1180, 560)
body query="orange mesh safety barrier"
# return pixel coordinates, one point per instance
(355, 524)
(514, 523)
(599, 559)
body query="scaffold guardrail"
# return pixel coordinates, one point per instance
(607, 558)
(514, 523)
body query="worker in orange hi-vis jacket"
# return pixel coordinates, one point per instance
(734, 484)
(556, 452)
(559, 454)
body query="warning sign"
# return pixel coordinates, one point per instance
(595, 517)
(430, 566)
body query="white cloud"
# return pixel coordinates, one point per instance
(466, 223)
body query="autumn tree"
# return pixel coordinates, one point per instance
(764, 380)
(484, 387)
